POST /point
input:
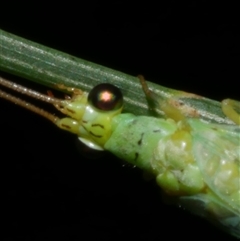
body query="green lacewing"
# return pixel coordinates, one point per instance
(195, 162)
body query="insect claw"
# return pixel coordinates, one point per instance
(73, 91)
(145, 88)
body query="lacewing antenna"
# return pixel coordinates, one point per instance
(34, 94)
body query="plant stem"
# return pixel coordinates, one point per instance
(50, 67)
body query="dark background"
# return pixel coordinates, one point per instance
(50, 190)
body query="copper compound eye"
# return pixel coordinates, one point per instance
(106, 97)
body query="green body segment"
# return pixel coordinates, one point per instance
(195, 161)
(162, 147)
(135, 138)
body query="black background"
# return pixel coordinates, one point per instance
(51, 191)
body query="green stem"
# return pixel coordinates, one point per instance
(50, 67)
